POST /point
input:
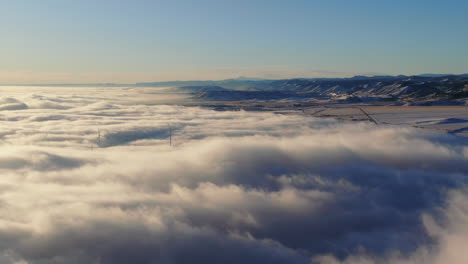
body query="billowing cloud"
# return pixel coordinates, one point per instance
(96, 181)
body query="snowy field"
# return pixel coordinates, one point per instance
(116, 175)
(444, 119)
(450, 119)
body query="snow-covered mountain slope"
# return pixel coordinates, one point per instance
(389, 88)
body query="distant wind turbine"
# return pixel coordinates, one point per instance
(170, 134)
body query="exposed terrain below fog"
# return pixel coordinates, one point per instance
(396, 100)
(444, 119)
(426, 89)
(397, 90)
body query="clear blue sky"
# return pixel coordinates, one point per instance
(138, 40)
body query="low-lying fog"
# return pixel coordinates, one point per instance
(88, 175)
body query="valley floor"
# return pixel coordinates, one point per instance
(450, 119)
(446, 119)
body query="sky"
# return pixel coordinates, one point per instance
(68, 41)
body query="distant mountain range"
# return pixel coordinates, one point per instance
(419, 89)
(416, 89)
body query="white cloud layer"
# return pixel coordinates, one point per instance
(235, 187)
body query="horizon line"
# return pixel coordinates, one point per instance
(429, 75)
